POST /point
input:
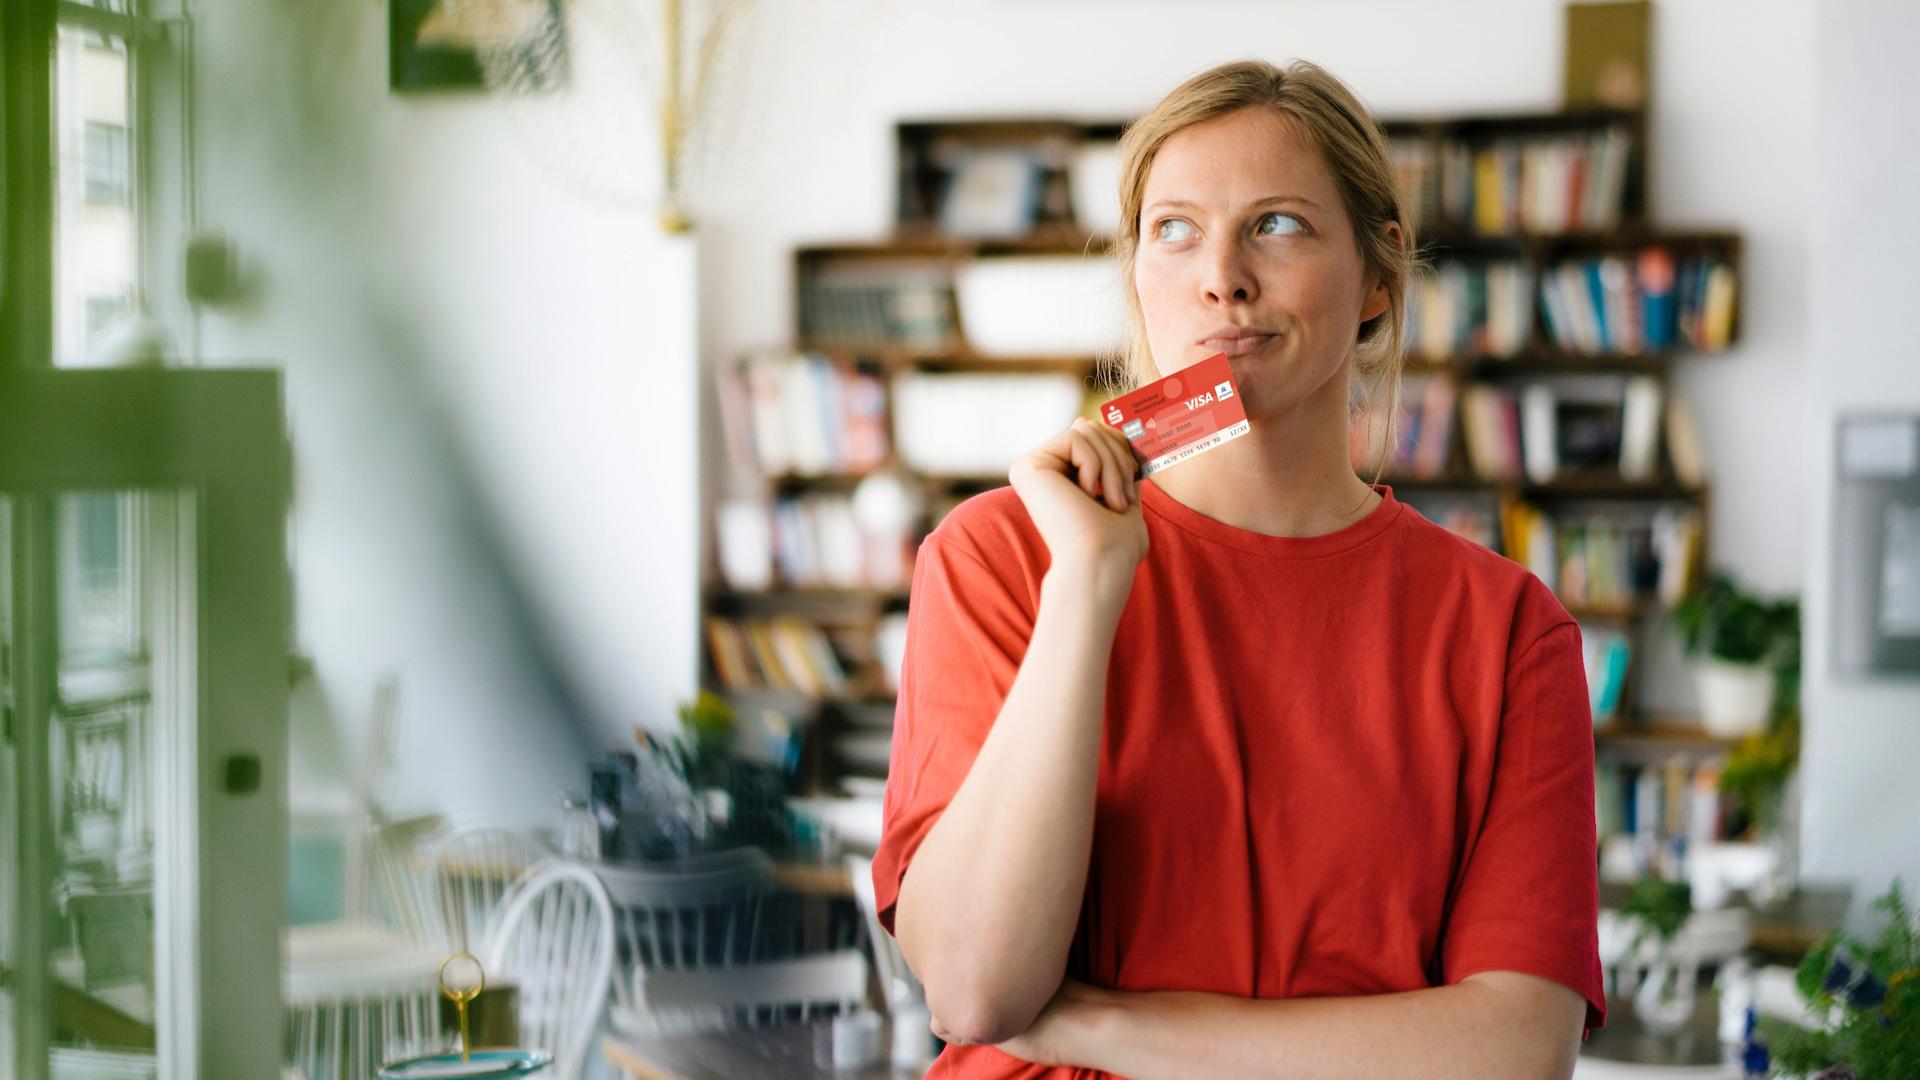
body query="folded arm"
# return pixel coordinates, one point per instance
(1494, 1024)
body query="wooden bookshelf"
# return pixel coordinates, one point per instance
(917, 251)
(1662, 735)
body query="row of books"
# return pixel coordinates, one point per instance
(1473, 517)
(1660, 801)
(1422, 439)
(1589, 425)
(1608, 654)
(1606, 563)
(812, 541)
(1545, 184)
(784, 654)
(902, 306)
(1578, 427)
(1650, 303)
(1471, 309)
(802, 414)
(819, 543)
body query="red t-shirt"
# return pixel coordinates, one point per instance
(1338, 765)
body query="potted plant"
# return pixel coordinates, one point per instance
(1665, 1000)
(706, 739)
(1869, 996)
(1747, 642)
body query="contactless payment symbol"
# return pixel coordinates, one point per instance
(1170, 423)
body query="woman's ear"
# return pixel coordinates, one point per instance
(1377, 299)
(1377, 303)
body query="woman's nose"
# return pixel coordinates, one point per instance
(1227, 277)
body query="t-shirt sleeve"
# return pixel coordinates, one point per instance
(1528, 899)
(967, 631)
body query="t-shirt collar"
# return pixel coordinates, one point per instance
(1186, 519)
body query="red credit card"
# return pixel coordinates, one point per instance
(1180, 417)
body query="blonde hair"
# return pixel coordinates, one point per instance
(1355, 152)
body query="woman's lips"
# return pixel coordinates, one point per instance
(1239, 345)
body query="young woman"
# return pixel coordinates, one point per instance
(1246, 769)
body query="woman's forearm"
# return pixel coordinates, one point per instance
(989, 905)
(1501, 1024)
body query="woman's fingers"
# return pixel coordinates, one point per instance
(1122, 452)
(1087, 461)
(1095, 458)
(1111, 482)
(1116, 460)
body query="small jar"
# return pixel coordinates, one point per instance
(579, 829)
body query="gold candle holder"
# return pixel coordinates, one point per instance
(466, 981)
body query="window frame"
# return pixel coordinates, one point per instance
(219, 436)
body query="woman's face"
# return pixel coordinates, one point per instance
(1245, 249)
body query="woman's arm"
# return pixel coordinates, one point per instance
(1494, 1024)
(988, 907)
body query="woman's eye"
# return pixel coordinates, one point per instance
(1292, 224)
(1172, 229)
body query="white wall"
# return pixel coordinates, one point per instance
(1862, 737)
(817, 165)
(490, 376)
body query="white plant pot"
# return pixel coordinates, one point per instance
(1734, 698)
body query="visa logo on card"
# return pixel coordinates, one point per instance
(1182, 416)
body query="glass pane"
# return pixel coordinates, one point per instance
(99, 583)
(94, 226)
(106, 761)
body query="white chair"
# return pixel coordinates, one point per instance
(1709, 937)
(554, 940)
(896, 978)
(355, 995)
(696, 913)
(67, 1064)
(472, 871)
(751, 995)
(402, 883)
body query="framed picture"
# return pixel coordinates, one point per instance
(470, 44)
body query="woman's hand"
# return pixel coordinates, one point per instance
(1062, 1031)
(1080, 491)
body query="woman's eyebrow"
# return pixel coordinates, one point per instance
(1182, 204)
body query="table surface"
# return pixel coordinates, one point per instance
(1626, 1039)
(829, 879)
(783, 1050)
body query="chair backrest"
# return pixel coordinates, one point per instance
(774, 991)
(69, 1064)
(896, 978)
(695, 913)
(554, 940)
(473, 869)
(1708, 937)
(355, 995)
(402, 882)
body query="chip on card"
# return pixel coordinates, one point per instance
(1181, 416)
